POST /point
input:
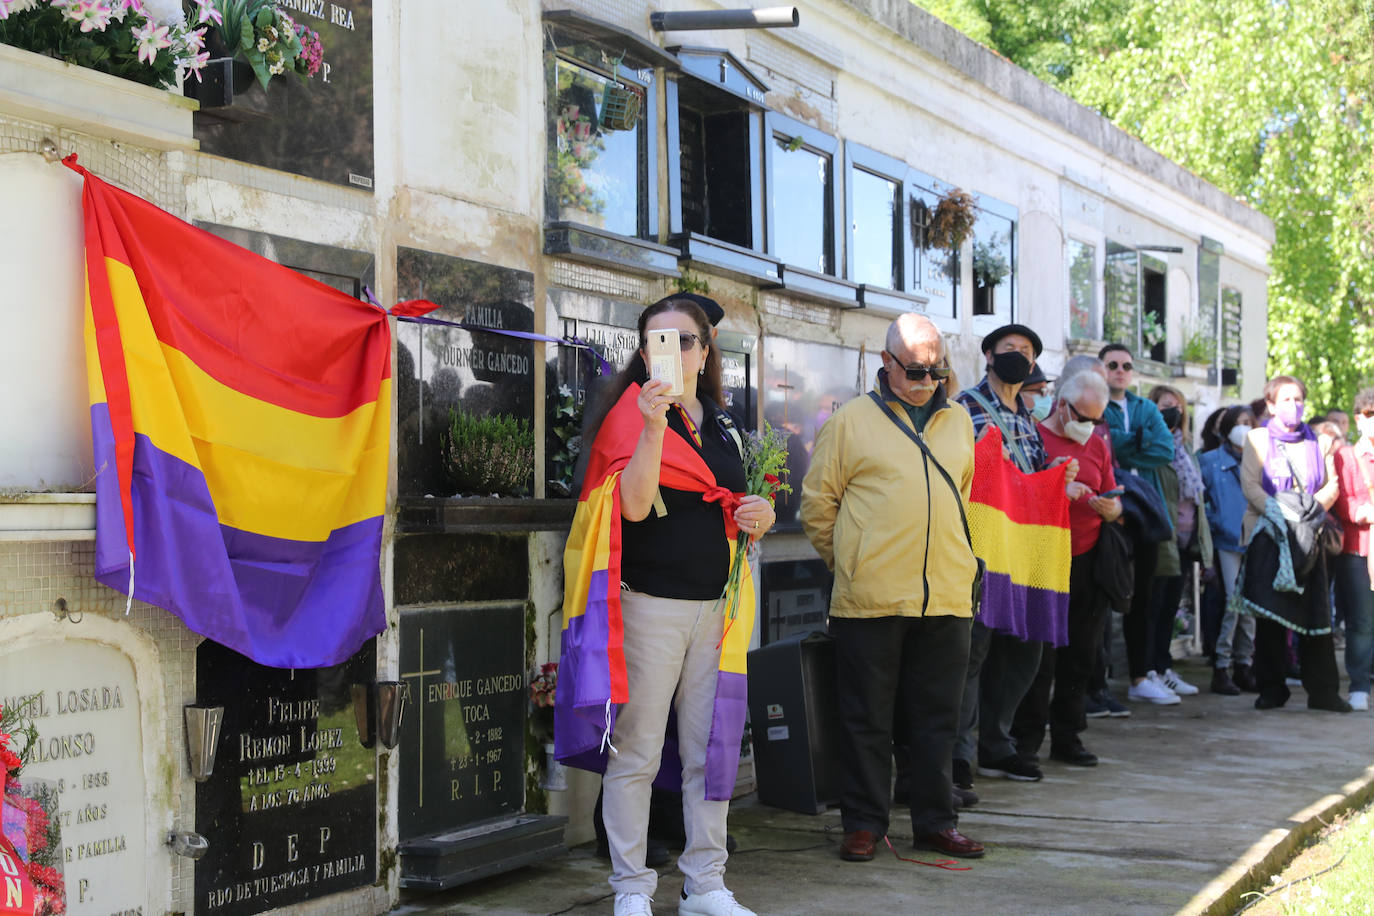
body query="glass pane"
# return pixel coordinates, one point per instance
(595, 171)
(935, 269)
(994, 263)
(1082, 290)
(801, 207)
(1121, 284)
(877, 243)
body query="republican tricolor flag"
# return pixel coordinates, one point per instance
(1020, 527)
(240, 419)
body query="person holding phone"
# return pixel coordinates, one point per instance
(661, 505)
(1068, 432)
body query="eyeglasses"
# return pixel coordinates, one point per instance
(686, 340)
(1114, 365)
(917, 373)
(1081, 417)
(1367, 413)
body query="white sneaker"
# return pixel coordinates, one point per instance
(1177, 684)
(1359, 700)
(633, 905)
(719, 902)
(1152, 690)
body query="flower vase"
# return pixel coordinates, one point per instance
(555, 774)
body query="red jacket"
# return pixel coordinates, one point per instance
(1354, 494)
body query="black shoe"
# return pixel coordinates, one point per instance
(963, 774)
(1077, 756)
(1332, 703)
(1244, 678)
(1271, 700)
(1222, 683)
(1012, 767)
(964, 798)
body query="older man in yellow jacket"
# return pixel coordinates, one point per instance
(888, 523)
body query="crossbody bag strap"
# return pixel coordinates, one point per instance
(995, 415)
(1299, 483)
(910, 434)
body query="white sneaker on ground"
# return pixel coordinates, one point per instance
(1152, 690)
(1177, 684)
(633, 905)
(1359, 700)
(719, 902)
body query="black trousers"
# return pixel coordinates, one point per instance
(922, 660)
(1067, 670)
(1168, 592)
(1137, 627)
(1316, 657)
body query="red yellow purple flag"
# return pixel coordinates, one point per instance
(1020, 527)
(240, 419)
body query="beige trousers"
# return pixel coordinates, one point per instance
(671, 659)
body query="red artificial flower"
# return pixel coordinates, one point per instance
(45, 875)
(10, 760)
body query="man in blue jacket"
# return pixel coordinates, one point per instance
(1141, 442)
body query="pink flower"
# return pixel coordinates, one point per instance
(151, 39)
(195, 63)
(93, 15)
(208, 13)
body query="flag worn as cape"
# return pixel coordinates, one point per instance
(591, 671)
(1020, 526)
(240, 419)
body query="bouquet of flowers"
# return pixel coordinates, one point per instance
(765, 460)
(29, 827)
(543, 686)
(148, 41)
(267, 38)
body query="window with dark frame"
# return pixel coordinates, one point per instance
(598, 171)
(802, 195)
(934, 268)
(875, 240)
(994, 259)
(715, 164)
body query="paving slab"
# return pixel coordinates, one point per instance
(1190, 806)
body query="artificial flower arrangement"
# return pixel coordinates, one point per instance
(154, 42)
(30, 829)
(765, 460)
(543, 687)
(264, 36)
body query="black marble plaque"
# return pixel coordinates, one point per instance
(796, 597)
(463, 736)
(437, 368)
(291, 809)
(322, 127)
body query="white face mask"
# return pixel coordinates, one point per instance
(1238, 434)
(1365, 425)
(1079, 431)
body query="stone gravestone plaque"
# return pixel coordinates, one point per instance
(320, 128)
(463, 735)
(84, 700)
(291, 809)
(438, 369)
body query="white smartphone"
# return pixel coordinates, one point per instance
(665, 358)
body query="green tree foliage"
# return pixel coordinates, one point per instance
(1268, 100)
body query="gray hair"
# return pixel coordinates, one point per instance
(1081, 383)
(1079, 364)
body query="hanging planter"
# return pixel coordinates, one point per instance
(951, 221)
(620, 106)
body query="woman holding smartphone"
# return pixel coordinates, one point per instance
(647, 560)
(1068, 432)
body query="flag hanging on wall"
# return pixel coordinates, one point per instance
(1020, 527)
(240, 419)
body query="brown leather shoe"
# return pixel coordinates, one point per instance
(858, 846)
(952, 843)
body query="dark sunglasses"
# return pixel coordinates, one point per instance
(686, 340)
(917, 373)
(1114, 365)
(1082, 418)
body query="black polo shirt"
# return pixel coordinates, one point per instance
(684, 554)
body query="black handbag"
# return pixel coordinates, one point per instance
(1143, 510)
(1114, 565)
(981, 566)
(1330, 535)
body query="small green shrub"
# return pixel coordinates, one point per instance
(491, 454)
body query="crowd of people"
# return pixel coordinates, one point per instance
(947, 664)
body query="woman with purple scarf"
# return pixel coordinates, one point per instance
(1285, 586)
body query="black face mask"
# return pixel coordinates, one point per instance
(1172, 417)
(1011, 367)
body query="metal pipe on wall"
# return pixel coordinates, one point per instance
(777, 17)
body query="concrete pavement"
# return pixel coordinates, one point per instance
(1191, 806)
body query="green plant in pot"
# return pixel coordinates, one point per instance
(990, 266)
(564, 440)
(488, 454)
(1198, 345)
